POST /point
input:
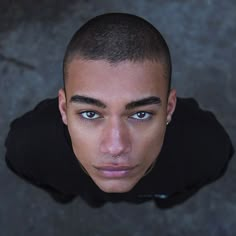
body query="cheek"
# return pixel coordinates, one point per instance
(149, 142)
(84, 140)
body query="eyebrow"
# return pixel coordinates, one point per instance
(87, 100)
(143, 102)
(95, 102)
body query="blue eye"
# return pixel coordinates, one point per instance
(142, 115)
(90, 115)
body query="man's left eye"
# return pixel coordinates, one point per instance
(142, 115)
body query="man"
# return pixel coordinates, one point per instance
(117, 131)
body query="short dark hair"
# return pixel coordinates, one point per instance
(117, 37)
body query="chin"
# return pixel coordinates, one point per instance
(115, 186)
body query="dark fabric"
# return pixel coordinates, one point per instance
(196, 152)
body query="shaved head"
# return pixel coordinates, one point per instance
(117, 37)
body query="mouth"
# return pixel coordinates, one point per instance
(114, 171)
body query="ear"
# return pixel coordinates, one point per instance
(62, 105)
(171, 105)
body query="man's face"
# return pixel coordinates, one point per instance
(116, 116)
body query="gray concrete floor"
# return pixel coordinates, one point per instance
(33, 36)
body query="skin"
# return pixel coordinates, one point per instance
(116, 143)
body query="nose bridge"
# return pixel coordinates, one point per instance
(115, 137)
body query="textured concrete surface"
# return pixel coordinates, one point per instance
(202, 39)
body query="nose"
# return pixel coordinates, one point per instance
(115, 138)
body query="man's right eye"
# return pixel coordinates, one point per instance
(89, 115)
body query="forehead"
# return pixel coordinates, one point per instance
(126, 78)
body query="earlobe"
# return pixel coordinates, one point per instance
(171, 105)
(62, 105)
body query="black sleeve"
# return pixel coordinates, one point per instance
(25, 139)
(205, 151)
(21, 143)
(21, 151)
(206, 144)
(17, 145)
(217, 146)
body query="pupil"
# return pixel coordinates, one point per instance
(90, 114)
(141, 114)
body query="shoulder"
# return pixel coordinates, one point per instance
(38, 148)
(34, 124)
(32, 135)
(204, 124)
(192, 119)
(200, 141)
(46, 110)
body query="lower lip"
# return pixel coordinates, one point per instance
(114, 173)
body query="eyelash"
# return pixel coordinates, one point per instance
(84, 112)
(150, 115)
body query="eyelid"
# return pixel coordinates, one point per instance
(87, 111)
(150, 115)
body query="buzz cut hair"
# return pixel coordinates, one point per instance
(118, 37)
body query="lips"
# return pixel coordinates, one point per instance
(114, 171)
